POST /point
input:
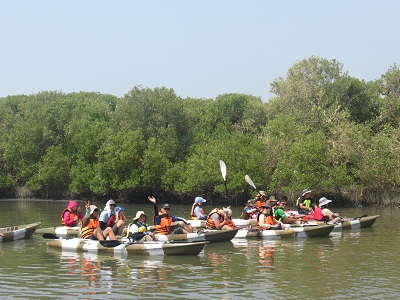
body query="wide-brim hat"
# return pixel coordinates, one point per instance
(305, 191)
(93, 208)
(139, 214)
(272, 198)
(228, 211)
(262, 193)
(323, 201)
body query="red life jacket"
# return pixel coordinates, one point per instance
(318, 216)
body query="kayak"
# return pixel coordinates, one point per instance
(118, 247)
(364, 221)
(19, 232)
(241, 223)
(312, 230)
(61, 231)
(265, 234)
(210, 235)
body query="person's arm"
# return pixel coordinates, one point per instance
(67, 219)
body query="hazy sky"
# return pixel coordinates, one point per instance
(200, 49)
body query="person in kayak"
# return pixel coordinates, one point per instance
(108, 218)
(197, 211)
(90, 226)
(249, 210)
(266, 220)
(280, 214)
(71, 215)
(220, 219)
(163, 220)
(303, 204)
(137, 230)
(323, 213)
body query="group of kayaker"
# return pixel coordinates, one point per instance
(268, 211)
(110, 223)
(271, 213)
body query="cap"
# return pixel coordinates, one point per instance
(138, 214)
(93, 208)
(199, 200)
(119, 208)
(262, 193)
(111, 201)
(166, 205)
(323, 201)
(305, 191)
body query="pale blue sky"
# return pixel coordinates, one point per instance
(200, 49)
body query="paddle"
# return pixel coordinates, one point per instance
(363, 216)
(249, 181)
(222, 165)
(110, 243)
(50, 236)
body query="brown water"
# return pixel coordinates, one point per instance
(357, 264)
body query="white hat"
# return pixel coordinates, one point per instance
(323, 201)
(92, 208)
(262, 193)
(306, 191)
(139, 214)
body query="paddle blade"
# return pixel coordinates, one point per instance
(222, 165)
(110, 244)
(50, 236)
(249, 181)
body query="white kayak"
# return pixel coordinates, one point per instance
(13, 233)
(61, 231)
(271, 234)
(241, 223)
(312, 230)
(146, 248)
(211, 235)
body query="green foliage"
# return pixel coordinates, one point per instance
(322, 129)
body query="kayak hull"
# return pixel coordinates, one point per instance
(147, 248)
(13, 233)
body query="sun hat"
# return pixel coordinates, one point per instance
(166, 205)
(305, 191)
(262, 193)
(72, 203)
(138, 214)
(111, 201)
(272, 198)
(323, 201)
(93, 208)
(119, 208)
(267, 205)
(250, 202)
(199, 200)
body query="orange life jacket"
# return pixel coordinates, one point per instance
(192, 214)
(267, 220)
(210, 224)
(72, 216)
(260, 203)
(165, 224)
(87, 231)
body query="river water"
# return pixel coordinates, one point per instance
(354, 264)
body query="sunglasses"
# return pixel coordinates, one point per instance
(112, 204)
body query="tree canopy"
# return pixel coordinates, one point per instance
(322, 129)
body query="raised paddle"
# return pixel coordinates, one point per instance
(249, 181)
(222, 165)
